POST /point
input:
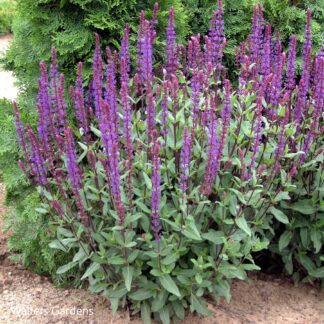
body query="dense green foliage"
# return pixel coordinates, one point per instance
(69, 26)
(7, 12)
(300, 243)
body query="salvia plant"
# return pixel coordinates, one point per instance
(163, 182)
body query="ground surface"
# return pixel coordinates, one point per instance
(27, 298)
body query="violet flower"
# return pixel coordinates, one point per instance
(291, 65)
(20, 130)
(165, 110)
(216, 34)
(226, 119)
(212, 154)
(318, 108)
(303, 85)
(276, 85)
(156, 193)
(80, 110)
(74, 172)
(37, 161)
(111, 93)
(61, 106)
(185, 161)
(266, 57)
(45, 117)
(257, 134)
(171, 46)
(97, 76)
(124, 53)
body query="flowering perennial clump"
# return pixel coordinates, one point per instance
(160, 175)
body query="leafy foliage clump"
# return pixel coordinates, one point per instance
(31, 235)
(160, 184)
(7, 12)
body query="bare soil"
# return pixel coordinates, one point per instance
(28, 298)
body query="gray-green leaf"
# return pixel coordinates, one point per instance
(169, 285)
(279, 215)
(128, 276)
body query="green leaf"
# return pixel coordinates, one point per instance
(148, 181)
(243, 225)
(318, 273)
(117, 292)
(66, 267)
(285, 239)
(307, 262)
(141, 294)
(316, 239)
(304, 236)
(282, 195)
(128, 276)
(142, 207)
(178, 309)
(304, 207)
(160, 300)
(216, 237)
(114, 303)
(223, 289)
(146, 313)
(164, 315)
(93, 267)
(239, 195)
(63, 231)
(42, 211)
(169, 285)
(56, 244)
(192, 232)
(279, 215)
(199, 307)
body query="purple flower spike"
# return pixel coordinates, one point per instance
(80, 110)
(291, 65)
(266, 57)
(156, 193)
(73, 169)
(37, 161)
(196, 87)
(276, 85)
(318, 108)
(185, 161)
(97, 76)
(255, 39)
(165, 110)
(61, 108)
(111, 92)
(20, 131)
(171, 46)
(212, 154)
(124, 53)
(216, 34)
(74, 174)
(257, 134)
(303, 85)
(150, 113)
(45, 117)
(226, 118)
